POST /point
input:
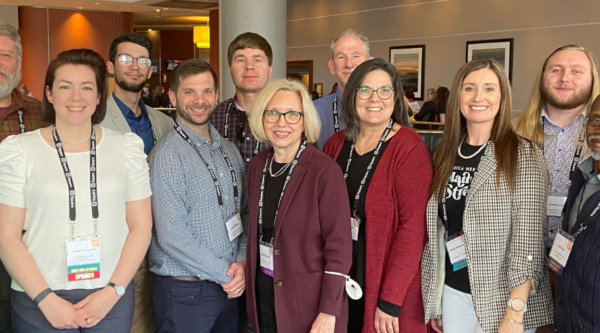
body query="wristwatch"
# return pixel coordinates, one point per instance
(517, 304)
(119, 289)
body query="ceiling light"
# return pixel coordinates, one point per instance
(149, 29)
(202, 36)
(166, 8)
(97, 3)
(79, 7)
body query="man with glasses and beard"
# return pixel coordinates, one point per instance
(18, 114)
(554, 119)
(250, 59)
(130, 64)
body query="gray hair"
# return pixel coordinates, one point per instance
(10, 32)
(350, 32)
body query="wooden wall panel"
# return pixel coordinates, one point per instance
(125, 23)
(34, 38)
(175, 45)
(213, 22)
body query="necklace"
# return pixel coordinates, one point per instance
(474, 154)
(281, 171)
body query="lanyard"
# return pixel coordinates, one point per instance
(336, 118)
(375, 153)
(69, 177)
(578, 151)
(262, 191)
(186, 138)
(21, 121)
(226, 130)
(584, 224)
(152, 130)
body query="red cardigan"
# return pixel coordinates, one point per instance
(395, 230)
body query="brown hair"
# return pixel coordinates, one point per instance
(158, 91)
(504, 138)
(188, 68)
(349, 116)
(84, 57)
(250, 40)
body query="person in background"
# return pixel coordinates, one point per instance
(334, 88)
(146, 94)
(576, 288)
(299, 212)
(19, 113)
(200, 210)
(376, 152)
(554, 118)
(484, 264)
(435, 109)
(348, 50)
(430, 94)
(75, 217)
(250, 60)
(126, 112)
(159, 100)
(314, 95)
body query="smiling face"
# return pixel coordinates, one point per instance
(195, 99)
(593, 131)
(130, 78)
(74, 94)
(567, 79)
(375, 110)
(281, 134)
(250, 70)
(480, 97)
(348, 52)
(10, 71)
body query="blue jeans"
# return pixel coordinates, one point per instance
(193, 306)
(28, 318)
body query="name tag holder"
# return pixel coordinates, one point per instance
(455, 245)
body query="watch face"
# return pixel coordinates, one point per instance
(517, 304)
(120, 290)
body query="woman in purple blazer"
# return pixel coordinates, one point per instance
(299, 238)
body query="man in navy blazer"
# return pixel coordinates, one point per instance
(577, 288)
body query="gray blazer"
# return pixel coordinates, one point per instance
(504, 242)
(161, 123)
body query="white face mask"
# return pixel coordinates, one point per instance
(11, 82)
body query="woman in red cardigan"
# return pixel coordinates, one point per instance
(388, 171)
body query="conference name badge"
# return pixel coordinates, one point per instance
(234, 227)
(83, 258)
(266, 259)
(559, 254)
(457, 251)
(355, 222)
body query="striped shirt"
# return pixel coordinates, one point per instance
(32, 115)
(189, 237)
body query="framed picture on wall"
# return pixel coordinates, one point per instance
(170, 64)
(410, 64)
(500, 50)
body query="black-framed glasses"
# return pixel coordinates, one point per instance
(127, 60)
(593, 121)
(383, 92)
(291, 117)
(240, 128)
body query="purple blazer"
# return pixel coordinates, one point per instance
(312, 235)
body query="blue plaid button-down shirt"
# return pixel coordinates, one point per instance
(189, 237)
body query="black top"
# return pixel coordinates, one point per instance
(429, 112)
(357, 171)
(273, 187)
(456, 194)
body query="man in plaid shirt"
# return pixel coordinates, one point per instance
(250, 59)
(18, 114)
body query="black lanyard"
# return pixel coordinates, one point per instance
(262, 191)
(186, 138)
(375, 153)
(69, 177)
(226, 130)
(336, 117)
(584, 224)
(21, 121)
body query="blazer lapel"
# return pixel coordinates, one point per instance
(117, 116)
(154, 122)
(486, 169)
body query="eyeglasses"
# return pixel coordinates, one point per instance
(240, 128)
(593, 121)
(291, 117)
(127, 60)
(383, 92)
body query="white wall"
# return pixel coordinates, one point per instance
(10, 15)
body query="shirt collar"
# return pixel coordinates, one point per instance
(236, 105)
(199, 139)
(127, 112)
(587, 169)
(338, 94)
(17, 103)
(544, 114)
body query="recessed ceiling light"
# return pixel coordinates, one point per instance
(97, 3)
(166, 8)
(149, 29)
(79, 7)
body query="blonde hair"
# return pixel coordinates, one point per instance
(528, 123)
(312, 124)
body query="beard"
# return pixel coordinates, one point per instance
(185, 115)
(576, 101)
(131, 87)
(10, 83)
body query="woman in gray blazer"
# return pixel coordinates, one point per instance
(483, 268)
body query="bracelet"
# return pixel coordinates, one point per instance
(513, 321)
(41, 296)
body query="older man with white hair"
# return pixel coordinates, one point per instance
(18, 114)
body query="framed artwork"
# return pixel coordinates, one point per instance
(500, 50)
(319, 89)
(410, 64)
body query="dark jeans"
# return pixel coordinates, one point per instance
(28, 318)
(193, 306)
(5, 292)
